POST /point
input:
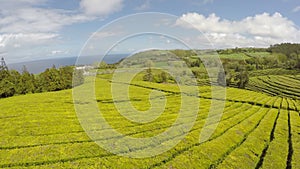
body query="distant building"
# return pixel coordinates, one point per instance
(86, 70)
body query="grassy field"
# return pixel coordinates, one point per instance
(233, 56)
(256, 130)
(259, 54)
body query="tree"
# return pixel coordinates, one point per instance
(196, 63)
(49, 80)
(221, 78)
(148, 76)
(66, 77)
(242, 78)
(78, 77)
(12, 82)
(164, 77)
(224, 77)
(26, 82)
(101, 65)
(229, 77)
(15, 77)
(6, 88)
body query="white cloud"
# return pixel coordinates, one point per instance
(259, 30)
(144, 6)
(100, 7)
(28, 25)
(58, 52)
(26, 46)
(10, 41)
(211, 23)
(275, 26)
(296, 9)
(28, 20)
(17, 4)
(4, 39)
(106, 34)
(27, 16)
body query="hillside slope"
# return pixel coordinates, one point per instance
(42, 131)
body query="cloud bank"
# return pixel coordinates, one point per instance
(100, 8)
(33, 28)
(30, 24)
(260, 30)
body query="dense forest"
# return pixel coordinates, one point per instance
(14, 83)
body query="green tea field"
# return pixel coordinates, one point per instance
(256, 130)
(149, 84)
(283, 85)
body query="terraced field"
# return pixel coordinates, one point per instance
(256, 131)
(279, 85)
(277, 71)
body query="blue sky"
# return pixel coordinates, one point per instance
(38, 29)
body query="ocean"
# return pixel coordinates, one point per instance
(39, 66)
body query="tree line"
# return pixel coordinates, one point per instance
(236, 71)
(285, 55)
(235, 74)
(13, 82)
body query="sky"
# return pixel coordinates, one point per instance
(40, 29)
